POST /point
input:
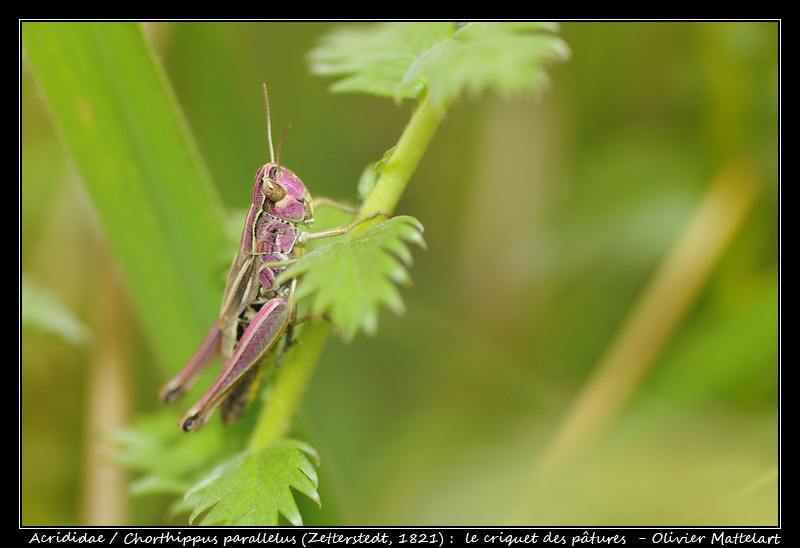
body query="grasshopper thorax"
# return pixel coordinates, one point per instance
(281, 193)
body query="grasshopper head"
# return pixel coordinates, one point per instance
(281, 193)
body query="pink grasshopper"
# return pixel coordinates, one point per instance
(255, 311)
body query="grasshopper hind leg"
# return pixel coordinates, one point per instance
(243, 394)
(256, 342)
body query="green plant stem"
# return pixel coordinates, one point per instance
(398, 169)
(276, 418)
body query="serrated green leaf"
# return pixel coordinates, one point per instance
(374, 58)
(402, 59)
(349, 280)
(254, 488)
(506, 58)
(169, 460)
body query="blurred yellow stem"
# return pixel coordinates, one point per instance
(658, 311)
(105, 485)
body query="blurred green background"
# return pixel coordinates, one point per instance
(549, 226)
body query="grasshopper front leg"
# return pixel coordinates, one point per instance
(336, 231)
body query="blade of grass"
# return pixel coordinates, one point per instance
(125, 133)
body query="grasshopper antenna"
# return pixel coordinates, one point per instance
(269, 126)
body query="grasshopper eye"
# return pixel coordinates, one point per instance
(272, 190)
